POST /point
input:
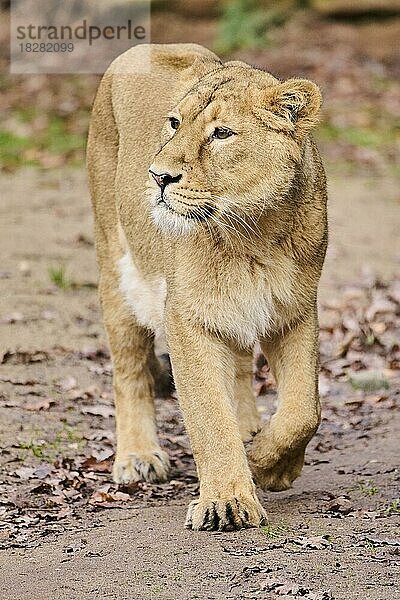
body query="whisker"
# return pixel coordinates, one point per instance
(223, 227)
(238, 218)
(229, 230)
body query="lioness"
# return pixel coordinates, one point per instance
(210, 215)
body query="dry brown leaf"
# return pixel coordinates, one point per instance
(25, 472)
(38, 404)
(23, 356)
(341, 505)
(99, 466)
(104, 496)
(92, 391)
(75, 394)
(67, 383)
(316, 542)
(99, 409)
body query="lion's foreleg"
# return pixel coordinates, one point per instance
(276, 455)
(203, 370)
(139, 456)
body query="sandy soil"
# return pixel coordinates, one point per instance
(332, 535)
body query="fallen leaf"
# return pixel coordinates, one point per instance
(290, 590)
(103, 454)
(379, 305)
(20, 381)
(92, 391)
(271, 583)
(99, 409)
(25, 472)
(104, 496)
(76, 394)
(317, 542)
(376, 543)
(67, 383)
(93, 353)
(340, 505)
(74, 548)
(24, 356)
(99, 466)
(44, 487)
(39, 404)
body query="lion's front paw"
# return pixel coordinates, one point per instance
(274, 467)
(151, 466)
(224, 515)
(281, 476)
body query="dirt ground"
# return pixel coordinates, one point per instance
(66, 532)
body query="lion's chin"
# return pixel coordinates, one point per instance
(170, 222)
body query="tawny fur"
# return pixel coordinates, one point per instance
(228, 256)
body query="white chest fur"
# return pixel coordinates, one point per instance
(145, 294)
(242, 308)
(243, 314)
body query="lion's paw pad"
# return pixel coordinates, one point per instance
(151, 466)
(224, 515)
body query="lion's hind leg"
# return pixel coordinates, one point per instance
(246, 410)
(160, 367)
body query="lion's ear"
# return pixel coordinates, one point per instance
(201, 66)
(189, 60)
(295, 103)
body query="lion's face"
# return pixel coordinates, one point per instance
(230, 149)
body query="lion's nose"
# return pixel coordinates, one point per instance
(164, 179)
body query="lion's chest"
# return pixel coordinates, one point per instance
(238, 315)
(239, 305)
(238, 297)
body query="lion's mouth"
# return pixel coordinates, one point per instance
(198, 213)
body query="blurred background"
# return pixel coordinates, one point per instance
(351, 49)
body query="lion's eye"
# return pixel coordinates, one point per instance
(174, 122)
(221, 133)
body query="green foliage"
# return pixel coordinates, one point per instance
(368, 381)
(367, 138)
(12, 149)
(43, 449)
(50, 449)
(55, 140)
(274, 530)
(367, 489)
(394, 507)
(58, 276)
(244, 24)
(37, 449)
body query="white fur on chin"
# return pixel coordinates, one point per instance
(170, 222)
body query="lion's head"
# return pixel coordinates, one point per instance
(230, 148)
